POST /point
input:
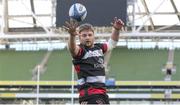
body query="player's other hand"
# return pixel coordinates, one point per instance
(71, 27)
(117, 23)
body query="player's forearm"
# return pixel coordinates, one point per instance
(72, 45)
(115, 34)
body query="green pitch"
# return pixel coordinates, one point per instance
(125, 64)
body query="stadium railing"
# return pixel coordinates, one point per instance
(122, 90)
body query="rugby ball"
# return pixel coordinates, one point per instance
(78, 12)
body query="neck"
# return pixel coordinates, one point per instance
(88, 46)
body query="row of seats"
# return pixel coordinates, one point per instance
(57, 46)
(35, 47)
(149, 45)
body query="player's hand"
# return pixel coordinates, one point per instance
(117, 23)
(71, 27)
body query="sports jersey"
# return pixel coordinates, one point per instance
(89, 65)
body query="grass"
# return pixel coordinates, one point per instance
(125, 64)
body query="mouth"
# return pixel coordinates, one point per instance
(88, 43)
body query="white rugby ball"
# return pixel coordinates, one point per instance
(78, 12)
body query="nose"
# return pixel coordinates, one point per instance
(87, 36)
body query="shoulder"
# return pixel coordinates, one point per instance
(81, 52)
(98, 44)
(102, 46)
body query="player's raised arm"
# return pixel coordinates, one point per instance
(71, 27)
(117, 25)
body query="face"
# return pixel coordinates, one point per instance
(86, 38)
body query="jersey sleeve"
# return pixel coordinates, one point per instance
(80, 54)
(104, 47)
(111, 44)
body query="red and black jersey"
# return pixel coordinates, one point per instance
(89, 65)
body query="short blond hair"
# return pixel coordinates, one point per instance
(86, 26)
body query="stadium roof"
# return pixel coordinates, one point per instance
(39, 15)
(158, 14)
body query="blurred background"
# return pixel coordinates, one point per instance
(36, 68)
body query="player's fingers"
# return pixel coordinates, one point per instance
(115, 19)
(76, 24)
(119, 21)
(72, 22)
(66, 28)
(67, 24)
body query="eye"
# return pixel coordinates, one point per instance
(84, 35)
(89, 34)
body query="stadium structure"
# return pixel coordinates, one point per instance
(36, 68)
